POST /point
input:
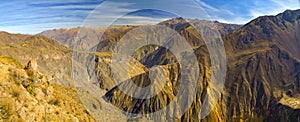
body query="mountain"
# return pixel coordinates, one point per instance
(139, 67)
(45, 84)
(262, 81)
(153, 55)
(50, 55)
(67, 36)
(223, 28)
(282, 29)
(263, 71)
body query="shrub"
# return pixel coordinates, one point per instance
(6, 109)
(55, 102)
(15, 91)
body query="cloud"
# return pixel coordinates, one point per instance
(141, 12)
(64, 4)
(33, 16)
(235, 20)
(287, 4)
(207, 6)
(30, 16)
(138, 20)
(36, 28)
(243, 11)
(272, 7)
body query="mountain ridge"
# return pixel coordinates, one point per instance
(263, 76)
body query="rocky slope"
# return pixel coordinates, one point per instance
(28, 95)
(263, 68)
(50, 55)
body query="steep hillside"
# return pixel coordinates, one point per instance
(282, 30)
(264, 68)
(50, 55)
(28, 95)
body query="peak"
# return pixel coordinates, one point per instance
(292, 11)
(290, 15)
(175, 21)
(4, 32)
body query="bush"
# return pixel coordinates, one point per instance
(6, 109)
(55, 102)
(15, 91)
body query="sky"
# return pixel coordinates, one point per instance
(32, 16)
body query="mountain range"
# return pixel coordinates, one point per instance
(262, 79)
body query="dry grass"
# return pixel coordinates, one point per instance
(32, 98)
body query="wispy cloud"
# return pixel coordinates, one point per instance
(207, 6)
(243, 11)
(138, 12)
(273, 7)
(64, 4)
(33, 16)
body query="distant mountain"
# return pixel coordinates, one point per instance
(66, 36)
(223, 28)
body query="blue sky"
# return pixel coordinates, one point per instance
(32, 16)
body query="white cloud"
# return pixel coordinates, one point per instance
(21, 17)
(273, 7)
(234, 20)
(207, 7)
(139, 20)
(288, 4)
